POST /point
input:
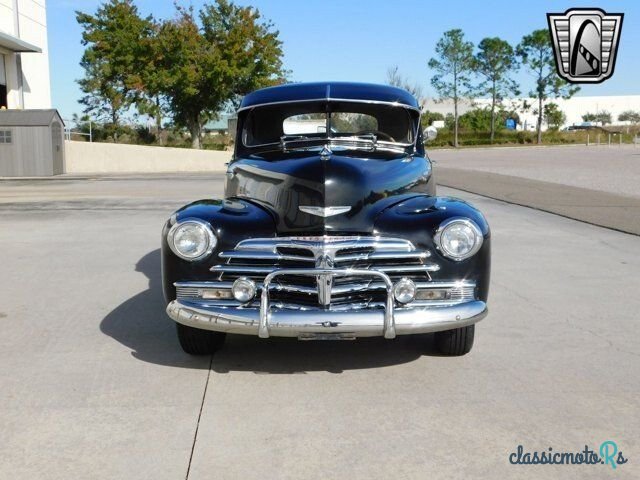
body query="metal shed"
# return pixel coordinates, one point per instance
(31, 143)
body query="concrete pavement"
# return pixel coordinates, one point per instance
(93, 383)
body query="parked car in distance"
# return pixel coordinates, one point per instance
(330, 228)
(575, 128)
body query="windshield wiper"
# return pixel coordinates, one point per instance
(288, 141)
(367, 141)
(285, 138)
(371, 140)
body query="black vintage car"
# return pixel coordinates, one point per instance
(330, 229)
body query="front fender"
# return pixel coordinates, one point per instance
(231, 220)
(417, 220)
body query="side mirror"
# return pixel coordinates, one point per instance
(430, 133)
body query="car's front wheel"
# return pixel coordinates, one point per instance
(196, 341)
(455, 342)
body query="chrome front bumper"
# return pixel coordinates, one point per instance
(367, 322)
(301, 323)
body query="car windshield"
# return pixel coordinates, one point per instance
(351, 124)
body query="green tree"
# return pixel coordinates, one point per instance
(494, 62)
(536, 53)
(395, 79)
(453, 67)
(449, 121)
(629, 116)
(554, 117)
(603, 117)
(149, 78)
(477, 119)
(114, 48)
(154, 106)
(209, 63)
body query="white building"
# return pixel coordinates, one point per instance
(24, 55)
(574, 108)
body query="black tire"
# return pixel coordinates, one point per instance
(195, 341)
(456, 342)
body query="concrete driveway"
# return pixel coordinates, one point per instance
(94, 385)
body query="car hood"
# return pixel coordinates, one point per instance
(306, 191)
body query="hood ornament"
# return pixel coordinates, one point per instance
(324, 211)
(325, 153)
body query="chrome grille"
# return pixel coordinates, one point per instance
(256, 258)
(462, 293)
(188, 292)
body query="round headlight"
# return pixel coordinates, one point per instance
(404, 290)
(243, 289)
(192, 239)
(458, 239)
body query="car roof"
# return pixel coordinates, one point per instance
(351, 91)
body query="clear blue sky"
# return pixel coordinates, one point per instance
(357, 40)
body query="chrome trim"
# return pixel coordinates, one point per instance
(258, 255)
(465, 290)
(227, 268)
(439, 285)
(212, 240)
(359, 323)
(324, 282)
(324, 211)
(437, 237)
(382, 255)
(218, 285)
(323, 246)
(294, 288)
(318, 254)
(242, 269)
(427, 267)
(319, 241)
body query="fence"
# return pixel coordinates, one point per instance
(71, 128)
(608, 137)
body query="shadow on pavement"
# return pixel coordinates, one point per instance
(142, 325)
(290, 356)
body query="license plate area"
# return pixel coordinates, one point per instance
(326, 336)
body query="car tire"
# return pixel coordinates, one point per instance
(456, 342)
(196, 341)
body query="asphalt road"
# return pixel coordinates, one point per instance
(94, 385)
(598, 185)
(614, 169)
